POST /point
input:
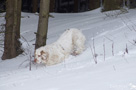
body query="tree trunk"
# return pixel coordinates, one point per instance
(19, 3)
(34, 6)
(112, 5)
(41, 35)
(93, 4)
(132, 3)
(12, 46)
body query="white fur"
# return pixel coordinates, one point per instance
(71, 41)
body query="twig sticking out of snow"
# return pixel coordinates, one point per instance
(126, 50)
(112, 48)
(114, 68)
(112, 45)
(104, 48)
(93, 52)
(132, 42)
(28, 53)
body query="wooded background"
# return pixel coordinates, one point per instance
(63, 6)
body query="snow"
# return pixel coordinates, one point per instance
(115, 72)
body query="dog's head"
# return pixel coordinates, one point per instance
(41, 56)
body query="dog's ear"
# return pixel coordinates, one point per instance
(42, 52)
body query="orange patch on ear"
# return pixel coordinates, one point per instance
(42, 52)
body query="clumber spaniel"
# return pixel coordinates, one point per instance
(70, 42)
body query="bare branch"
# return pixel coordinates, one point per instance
(104, 48)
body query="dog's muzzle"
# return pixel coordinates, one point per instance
(35, 60)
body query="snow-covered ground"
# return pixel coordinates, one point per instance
(116, 33)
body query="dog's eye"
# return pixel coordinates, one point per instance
(39, 55)
(42, 58)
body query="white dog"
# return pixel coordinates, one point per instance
(70, 42)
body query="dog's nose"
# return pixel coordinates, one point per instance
(35, 60)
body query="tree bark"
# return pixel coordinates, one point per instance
(12, 45)
(112, 4)
(93, 4)
(41, 35)
(19, 5)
